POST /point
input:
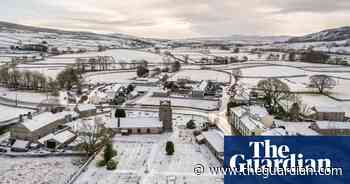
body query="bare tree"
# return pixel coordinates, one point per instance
(274, 91)
(93, 136)
(237, 73)
(322, 82)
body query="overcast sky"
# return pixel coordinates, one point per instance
(181, 18)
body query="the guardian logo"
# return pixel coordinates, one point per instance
(267, 155)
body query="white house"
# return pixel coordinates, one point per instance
(250, 120)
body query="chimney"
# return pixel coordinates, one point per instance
(30, 116)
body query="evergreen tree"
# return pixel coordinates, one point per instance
(170, 148)
(120, 113)
(109, 152)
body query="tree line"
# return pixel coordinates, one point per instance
(11, 77)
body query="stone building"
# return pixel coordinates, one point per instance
(331, 128)
(36, 127)
(328, 113)
(166, 115)
(86, 110)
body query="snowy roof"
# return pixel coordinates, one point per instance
(140, 123)
(275, 132)
(332, 125)
(20, 144)
(254, 110)
(60, 137)
(251, 123)
(216, 139)
(86, 107)
(296, 128)
(201, 86)
(44, 119)
(328, 109)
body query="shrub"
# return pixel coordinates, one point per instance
(111, 165)
(109, 152)
(191, 125)
(169, 148)
(101, 163)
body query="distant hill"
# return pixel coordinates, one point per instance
(337, 34)
(11, 34)
(239, 39)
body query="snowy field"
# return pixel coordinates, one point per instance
(8, 113)
(199, 75)
(62, 41)
(271, 71)
(122, 77)
(53, 170)
(22, 96)
(142, 160)
(124, 55)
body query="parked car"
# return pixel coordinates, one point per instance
(3, 150)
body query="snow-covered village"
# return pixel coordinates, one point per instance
(84, 107)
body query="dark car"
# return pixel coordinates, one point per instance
(2, 150)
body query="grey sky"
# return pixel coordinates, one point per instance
(181, 18)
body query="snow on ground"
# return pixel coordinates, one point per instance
(142, 159)
(342, 90)
(199, 75)
(271, 71)
(124, 55)
(8, 113)
(53, 170)
(23, 96)
(180, 102)
(121, 77)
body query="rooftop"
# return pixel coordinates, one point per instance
(296, 128)
(275, 132)
(140, 123)
(328, 109)
(86, 107)
(332, 125)
(60, 137)
(216, 139)
(254, 110)
(45, 119)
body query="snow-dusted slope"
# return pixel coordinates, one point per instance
(337, 34)
(237, 39)
(15, 34)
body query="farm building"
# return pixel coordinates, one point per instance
(58, 139)
(331, 128)
(86, 110)
(34, 128)
(328, 113)
(140, 125)
(292, 129)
